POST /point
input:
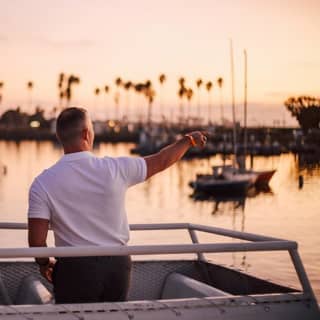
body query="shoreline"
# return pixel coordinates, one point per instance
(282, 139)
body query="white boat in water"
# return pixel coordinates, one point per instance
(257, 178)
(233, 174)
(163, 289)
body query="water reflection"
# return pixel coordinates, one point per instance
(235, 206)
(308, 164)
(283, 210)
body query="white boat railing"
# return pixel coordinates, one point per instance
(256, 243)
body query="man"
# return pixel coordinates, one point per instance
(82, 197)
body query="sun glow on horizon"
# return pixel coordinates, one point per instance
(99, 41)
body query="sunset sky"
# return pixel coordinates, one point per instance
(99, 40)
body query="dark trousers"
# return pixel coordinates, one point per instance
(91, 279)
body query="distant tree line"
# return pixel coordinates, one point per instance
(306, 110)
(15, 118)
(68, 82)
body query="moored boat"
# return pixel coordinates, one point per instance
(263, 177)
(223, 182)
(258, 178)
(220, 186)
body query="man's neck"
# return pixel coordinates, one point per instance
(73, 149)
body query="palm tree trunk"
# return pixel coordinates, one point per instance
(30, 101)
(221, 107)
(127, 105)
(149, 112)
(181, 112)
(106, 107)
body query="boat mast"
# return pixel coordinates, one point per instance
(233, 107)
(245, 142)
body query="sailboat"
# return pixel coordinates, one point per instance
(262, 177)
(220, 185)
(232, 179)
(226, 180)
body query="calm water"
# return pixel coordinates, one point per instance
(286, 211)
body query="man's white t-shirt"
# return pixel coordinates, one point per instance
(83, 197)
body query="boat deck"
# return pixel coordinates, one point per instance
(147, 296)
(166, 289)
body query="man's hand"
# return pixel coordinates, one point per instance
(197, 138)
(46, 270)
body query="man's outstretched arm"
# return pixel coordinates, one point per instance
(174, 152)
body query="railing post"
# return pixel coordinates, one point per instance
(194, 239)
(298, 265)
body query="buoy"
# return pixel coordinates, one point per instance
(300, 181)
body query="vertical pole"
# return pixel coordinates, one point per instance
(245, 142)
(194, 239)
(302, 275)
(233, 106)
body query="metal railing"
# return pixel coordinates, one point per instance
(255, 243)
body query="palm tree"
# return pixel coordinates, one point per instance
(68, 91)
(127, 86)
(60, 88)
(209, 87)
(65, 85)
(106, 91)
(139, 87)
(181, 93)
(162, 79)
(189, 94)
(182, 81)
(71, 82)
(30, 87)
(97, 93)
(118, 83)
(220, 84)
(149, 93)
(199, 83)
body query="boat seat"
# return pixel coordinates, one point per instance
(32, 291)
(4, 295)
(179, 286)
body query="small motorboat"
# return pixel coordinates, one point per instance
(189, 288)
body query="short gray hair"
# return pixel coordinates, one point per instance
(70, 123)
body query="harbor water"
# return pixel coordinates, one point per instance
(288, 210)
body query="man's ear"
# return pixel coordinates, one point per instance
(85, 134)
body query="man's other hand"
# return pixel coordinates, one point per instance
(46, 270)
